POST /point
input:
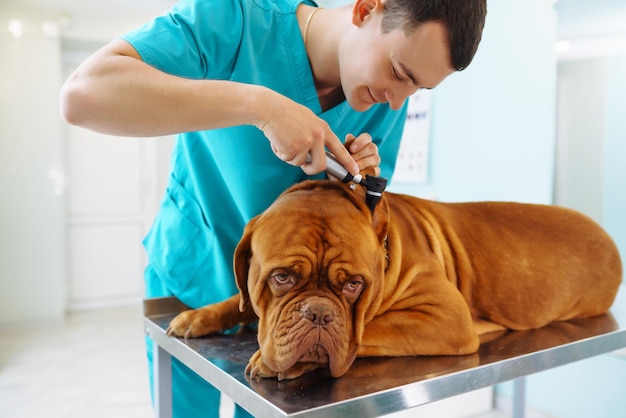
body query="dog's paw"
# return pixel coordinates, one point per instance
(195, 323)
(297, 370)
(257, 369)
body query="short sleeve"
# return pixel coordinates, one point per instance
(195, 39)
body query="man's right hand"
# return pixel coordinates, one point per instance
(295, 132)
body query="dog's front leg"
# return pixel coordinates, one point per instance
(210, 319)
(438, 322)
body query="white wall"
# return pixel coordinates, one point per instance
(33, 276)
(31, 244)
(581, 136)
(492, 126)
(614, 198)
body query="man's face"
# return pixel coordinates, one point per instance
(389, 67)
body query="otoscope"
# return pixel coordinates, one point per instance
(374, 185)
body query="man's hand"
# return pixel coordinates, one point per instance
(295, 132)
(364, 152)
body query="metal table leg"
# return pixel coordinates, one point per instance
(519, 397)
(162, 363)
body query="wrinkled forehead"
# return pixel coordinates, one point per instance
(308, 228)
(318, 204)
(308, 225)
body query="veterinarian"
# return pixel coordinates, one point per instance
(253, 87)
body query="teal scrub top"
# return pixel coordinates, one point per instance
(221, 178)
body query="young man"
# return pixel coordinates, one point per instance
(233, 75)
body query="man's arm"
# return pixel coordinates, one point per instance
(115, 92)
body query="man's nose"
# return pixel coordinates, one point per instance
(396, 97)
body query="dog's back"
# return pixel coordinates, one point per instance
(518, 265)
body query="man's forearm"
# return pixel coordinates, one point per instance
(114, 92)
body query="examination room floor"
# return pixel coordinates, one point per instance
(91, 366)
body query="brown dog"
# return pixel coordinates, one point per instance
(329, 280)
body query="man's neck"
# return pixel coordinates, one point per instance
(325, 30)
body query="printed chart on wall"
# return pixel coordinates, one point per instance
(412, 163)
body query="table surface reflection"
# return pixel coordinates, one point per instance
(378, 386)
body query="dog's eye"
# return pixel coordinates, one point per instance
(353, 288)
(354, 284)
(281, 278)
(280, 281)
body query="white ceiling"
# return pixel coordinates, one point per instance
(576, 17)
(109, 9)
(114, 11)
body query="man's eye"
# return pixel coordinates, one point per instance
(396, 74)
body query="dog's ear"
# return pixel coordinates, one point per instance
(241, 262)
(380, 219)
(370, 300)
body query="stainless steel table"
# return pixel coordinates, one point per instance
(376, 386)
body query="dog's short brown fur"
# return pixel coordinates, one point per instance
(329, 280)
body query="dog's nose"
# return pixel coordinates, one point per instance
(319, 314)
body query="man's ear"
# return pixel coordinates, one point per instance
(241, 262)
(363, 8)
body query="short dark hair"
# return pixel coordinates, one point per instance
(463, 19)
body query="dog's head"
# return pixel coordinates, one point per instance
(312, 267)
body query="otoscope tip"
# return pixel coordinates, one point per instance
(374, 186)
